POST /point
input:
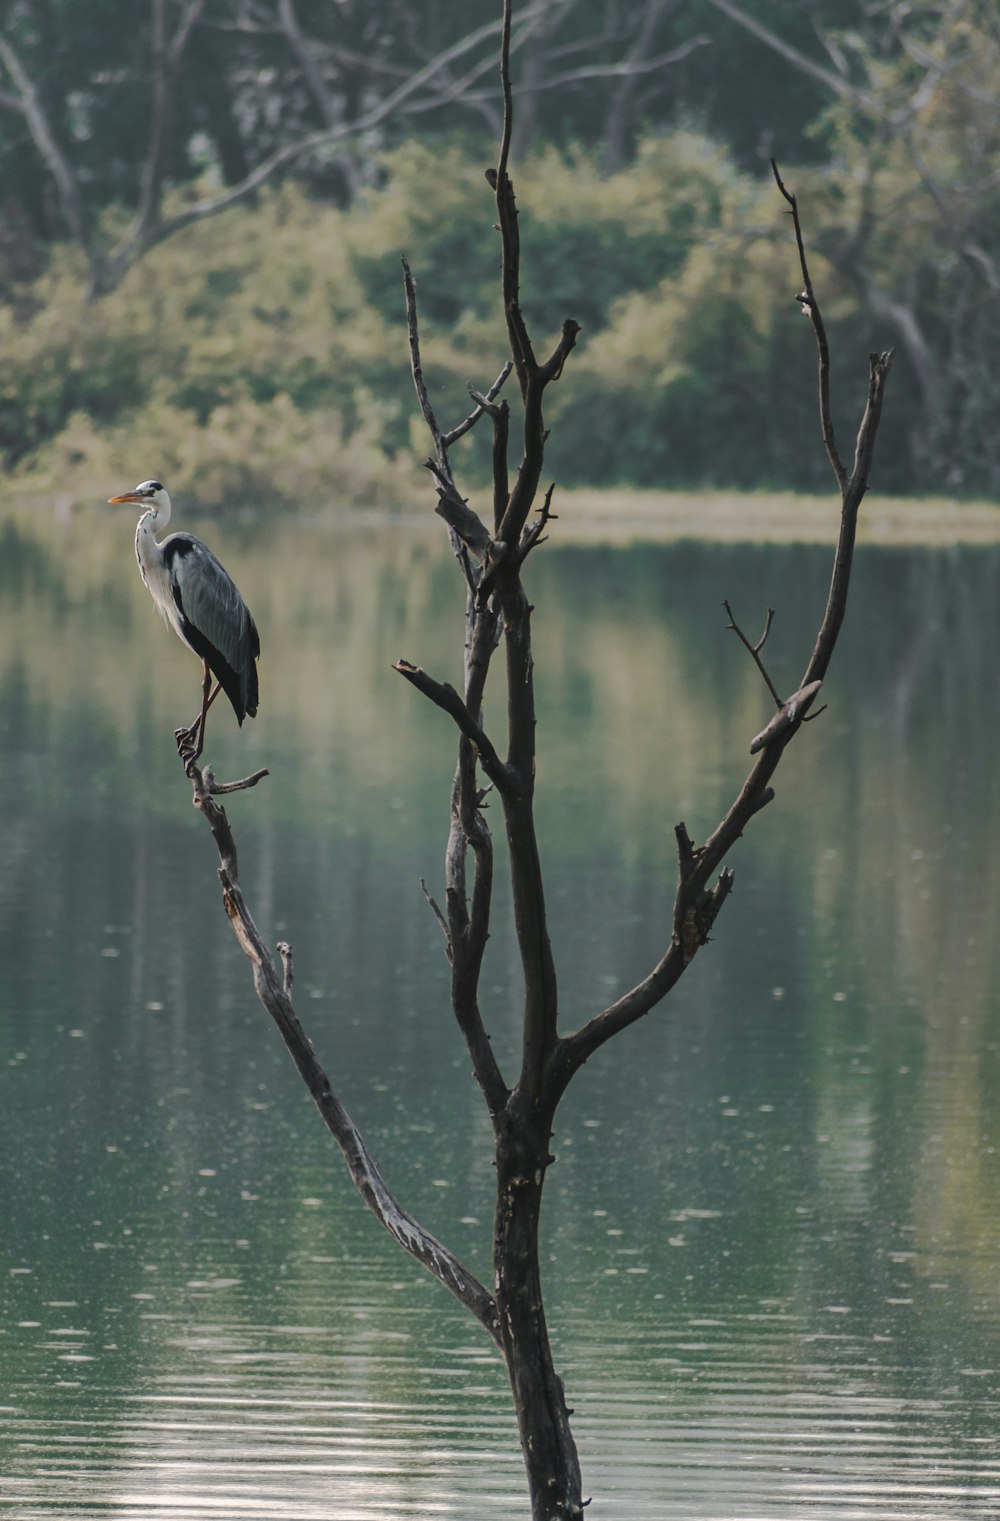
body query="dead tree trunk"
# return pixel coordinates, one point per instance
(547, 1443)
(491, 557)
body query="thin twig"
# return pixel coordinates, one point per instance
(439, 916)
(755, 649)
(483, 404)
(508, 104)
(466, 525)
(416, 369)
(520, 343)
(810, 306)
(536, 533)
(879, 366)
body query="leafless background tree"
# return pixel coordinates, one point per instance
(350, 84)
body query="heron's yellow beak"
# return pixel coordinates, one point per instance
(130, 496)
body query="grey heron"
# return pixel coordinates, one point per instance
(199, 600)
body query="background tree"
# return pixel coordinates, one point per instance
(125, 130)
(491, 554)
(221, 96)
(912, 117)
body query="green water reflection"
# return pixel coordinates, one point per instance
(773, 1233)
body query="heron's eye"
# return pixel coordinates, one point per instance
(153, 487)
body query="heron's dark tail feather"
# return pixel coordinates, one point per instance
(239, 686)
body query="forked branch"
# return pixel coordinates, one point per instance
(696, 902)
(755, 649)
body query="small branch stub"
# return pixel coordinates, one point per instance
(287, 967)
(216, 789)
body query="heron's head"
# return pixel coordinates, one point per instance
(147, 494)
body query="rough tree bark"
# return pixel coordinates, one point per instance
(491, 557)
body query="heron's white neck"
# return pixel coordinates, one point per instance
(159, 512)
(147, 550)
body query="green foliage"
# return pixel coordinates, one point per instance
(237, 363)
(647, 213)
(263, 355)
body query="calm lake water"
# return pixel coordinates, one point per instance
(773, 1231)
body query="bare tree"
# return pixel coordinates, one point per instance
(918, 79)
(346, 98)
(491, 555)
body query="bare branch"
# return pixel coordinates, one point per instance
(520, 343)
(467, 932)
(810, 306)
(796, 707)
(165, 60)
(273, 991)
(464, 522)
(536, 533)
(508, 105)
(444, 696)
(755, 649)
(29, 103)
(627, 68)
(695, 904)
(417, 370)
(457, 513)
(468, 926)
(500, 414)
(305, 53)
(178, 42)
(484, 404)
(460, 89)
(218, 789)
(792, 55)
(553, 366)
(854, 490)
(469, 923)
(439, 916)
(282, 157)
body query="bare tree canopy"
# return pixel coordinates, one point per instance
(491, 552)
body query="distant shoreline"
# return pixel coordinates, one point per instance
(778, 517)
(626, 516)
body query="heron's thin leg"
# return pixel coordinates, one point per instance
(185, 737)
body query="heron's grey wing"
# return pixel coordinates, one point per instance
(218, 621)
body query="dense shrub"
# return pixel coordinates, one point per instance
(263, 353)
